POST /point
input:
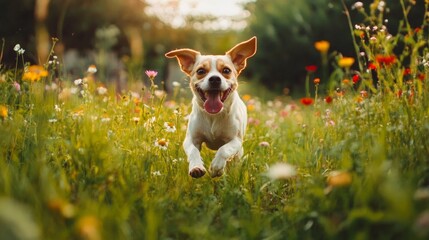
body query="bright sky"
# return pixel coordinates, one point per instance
(174, 11)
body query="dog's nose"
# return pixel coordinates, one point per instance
(214, 81)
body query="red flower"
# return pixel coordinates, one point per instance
(421, 76)
(407, 71)
(307, 101)
(386, 60)
(311, 68)
(355, 79)
(328, 99)
(371, 66)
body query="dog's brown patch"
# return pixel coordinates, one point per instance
(204, 65)
(220, 65)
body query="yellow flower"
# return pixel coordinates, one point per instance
(322, 46)
(339, 178)
(346, 62)
(34, 73)
(246, 97)
(3, 111)
(88, 227)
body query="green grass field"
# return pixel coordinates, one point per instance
(77, 161)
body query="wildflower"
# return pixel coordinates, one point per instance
(16, 86)
(160, 93)
(346, 81)
(246, 97)
(364, 93)
(264, 144)
(175, 84)
(322, 46)
(105, 119)
(17, 47)
(52, 120)
(34, 73)
(250, 107)
(307, 101)
(346, 62)
(387, 60)
(169, 127)
(161, 143)
(381, 6)
(101, 90)
(136, 119)
(357, 5)
(253, 121)
(21, 51)
(316, 81)
(311, 68)
(156, 173)
(407, 71)
(88, 227)
(281, 171)
(371, 66)
(66, 209)
(57, 108)
(421, 76)
(372, 39)
(3, 111)
(151, 73)
(78, 82)
(339, 178)
(330, 122)
(92, 69)
(355, 78)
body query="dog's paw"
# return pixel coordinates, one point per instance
(197, 172)
(217, 168)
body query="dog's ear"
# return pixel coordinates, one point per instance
(186, 58)
(242, 51)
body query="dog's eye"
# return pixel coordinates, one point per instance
(226, 71)
(201, 71)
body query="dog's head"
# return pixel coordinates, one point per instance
(214, 77)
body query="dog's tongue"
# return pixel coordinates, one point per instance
(213, 104)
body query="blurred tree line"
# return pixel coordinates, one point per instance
(286, 31)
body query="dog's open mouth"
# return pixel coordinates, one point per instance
(213, 99)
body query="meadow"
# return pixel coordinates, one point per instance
(349, 160)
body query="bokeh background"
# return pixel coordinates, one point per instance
(125, 37)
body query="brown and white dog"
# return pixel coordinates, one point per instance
(219, 116)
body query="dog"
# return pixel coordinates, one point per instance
(219, 116)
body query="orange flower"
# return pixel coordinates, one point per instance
(3, 111)
(316, 81)
(346, 62)
(307, 101)
(322, 46)
(339, 178)
(34, 73)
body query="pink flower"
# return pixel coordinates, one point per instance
(17, 86)
(151, 73)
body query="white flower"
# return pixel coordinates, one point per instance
(175, 84)
(57, 108)
(74, 90)
(92, 69)
(136, 119)
(357, 5)
(78, 82)
(161, 143)
(21, 51)
(381, 6)
(52, 120)
(169, 127)
(105, 119)
(17, 47)
(101, 90)
(281, 171)
(156, 173)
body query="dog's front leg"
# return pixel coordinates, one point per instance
(196, 164)
(229, 150)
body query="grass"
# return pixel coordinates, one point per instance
(79, 162)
